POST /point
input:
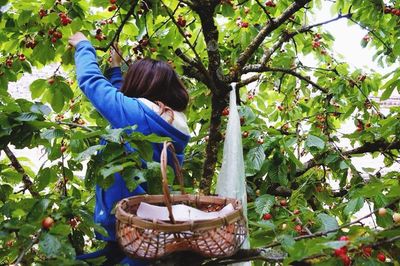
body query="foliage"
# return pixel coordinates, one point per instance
(291, 121)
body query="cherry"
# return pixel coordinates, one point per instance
(250, 96)
(47, 223)
(245, 134)
(42, 13)
(260, 141)
(267, 216)
(341, 251)
(57, 34)
(296, 212)
(283, 203)
(317, 36)
(381, 257)
(316, 44)
(53, 39)
(63, 148)
(367, 251)
(188, 34)
(225, 112)
(112, 8)
(22, 57)
(344, 238)
(396, 217)
(153, 49)
(346, 260)
(246, 10)
(244, 24)
(387, 10)
(181, 21)
(298, 228)
(51, 81)
(113, 2)
(9, 62)
(270, 4)
(281, 108)
(382, 212)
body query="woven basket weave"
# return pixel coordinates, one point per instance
(145, 239)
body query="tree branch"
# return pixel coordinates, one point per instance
(247, 81)
(267, 29)
(205, 10)
(261, 68)
(199, 63)
(268, 254)
(25, 178)
(118, 32)
(367, 147)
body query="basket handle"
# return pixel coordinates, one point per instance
(178, 173)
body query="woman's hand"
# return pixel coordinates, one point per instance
(76, 38)
(115, 56)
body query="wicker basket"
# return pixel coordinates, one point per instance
(139, 238)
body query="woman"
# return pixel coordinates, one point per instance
(151, 97)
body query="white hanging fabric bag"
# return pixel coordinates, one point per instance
(231, 181)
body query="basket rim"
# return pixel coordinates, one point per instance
(132, 219)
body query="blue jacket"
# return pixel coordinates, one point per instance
(120, 111)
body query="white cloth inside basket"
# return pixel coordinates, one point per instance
(181, 212)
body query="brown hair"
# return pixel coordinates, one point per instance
(155, 81)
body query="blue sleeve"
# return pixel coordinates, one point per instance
(100, 92)
(114, 75)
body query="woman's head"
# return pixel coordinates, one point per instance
(155, 81)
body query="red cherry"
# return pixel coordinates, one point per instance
(381, 257)
(346, 260)
(245, 134)
(280, 108)
(283, 203)
(153, 49)
(225, 112)
(298, 228)
(387, 10)
(244, 24)
(53, 39)
(73, 222)
(22, 57)
(260, 141)
(51, 81)
(367, 251)
(267, 216)
(341, 251)
(316, 44)
(63, 148)
(317, 36)
(270, 4)
(113, 2)
(47, 222)
(112, 8)
(344, 238)
(296, 212)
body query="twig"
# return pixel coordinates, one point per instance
(199, 63)
(263, 33)
(25, 178)
(265, 10)
(33, 242)
(119, 30)
(75, 125)
(260, 68)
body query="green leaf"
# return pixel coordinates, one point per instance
(254, 160)
(354, 205)
(327, 223)
(264, 203)
(57, 101)
(5, 191)
(49, 245)
(313, 141)
(37, 88)
(61, 229)
(39, 209)
(92, 150)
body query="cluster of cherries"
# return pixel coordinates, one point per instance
(392, 10)
(270, 3)
(181, 21)
(99, 35)
(113, 6)
(55, 35)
